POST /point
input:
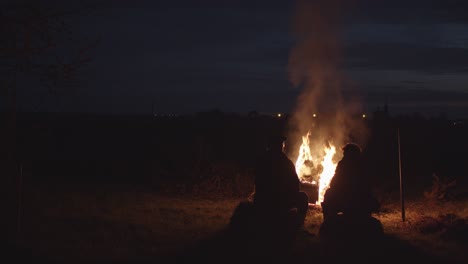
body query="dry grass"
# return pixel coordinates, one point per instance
(439, 228)
(108, 223)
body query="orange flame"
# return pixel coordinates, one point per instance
(304, 156)
(318, 168)
(328, 172)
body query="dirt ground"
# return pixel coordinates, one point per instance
(122, 224)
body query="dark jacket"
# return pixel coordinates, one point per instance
(350, 190)
(276, 180)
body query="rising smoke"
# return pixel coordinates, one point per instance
(314, 67)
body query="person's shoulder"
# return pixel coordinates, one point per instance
(284, 157)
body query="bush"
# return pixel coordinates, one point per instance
(442, 189)
(223, 179)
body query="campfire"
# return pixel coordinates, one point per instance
(315, 167)
(314, 66)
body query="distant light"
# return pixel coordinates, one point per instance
(314, 115)
(364, 116)
(278, 115)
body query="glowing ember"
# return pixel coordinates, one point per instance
(318, 168)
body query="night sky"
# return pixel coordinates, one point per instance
(189, 56)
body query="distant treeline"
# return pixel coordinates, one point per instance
(100, 147)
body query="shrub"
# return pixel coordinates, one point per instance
(224, 179)
(442, 189)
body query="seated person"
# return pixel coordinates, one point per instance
(350, 191)
(277, 184)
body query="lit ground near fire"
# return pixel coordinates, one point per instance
(120, 224)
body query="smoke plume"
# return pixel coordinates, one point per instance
(314, 67)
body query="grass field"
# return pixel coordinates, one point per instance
(119, 223)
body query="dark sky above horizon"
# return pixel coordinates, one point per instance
(185, 56)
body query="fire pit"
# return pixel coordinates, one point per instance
(311, 190)
(315, 168)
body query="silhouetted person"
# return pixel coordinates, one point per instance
(277, 184)
(350, 198)
(350, 190)
(270, 220)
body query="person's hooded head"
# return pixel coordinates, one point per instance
(351, 150)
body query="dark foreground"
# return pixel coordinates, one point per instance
(227, 247)
(124, 224)
(340, 239)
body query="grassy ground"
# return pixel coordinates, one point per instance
(77, 224)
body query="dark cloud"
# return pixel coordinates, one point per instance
(409, 57)
(409, 11)
(202, 54)
(416, 95)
